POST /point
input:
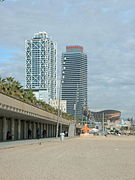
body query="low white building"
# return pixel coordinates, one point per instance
(42, 94)
(63, 104)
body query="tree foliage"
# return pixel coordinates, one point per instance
(13, 88)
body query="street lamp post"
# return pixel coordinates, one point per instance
(75, 118)
(103, 122)
(58, 115)
(75, 112)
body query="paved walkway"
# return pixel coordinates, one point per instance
(12, 144)
(95, 158)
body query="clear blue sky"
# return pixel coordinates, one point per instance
(105, 28)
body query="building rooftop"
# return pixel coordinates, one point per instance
(74, 48)
(40, 35)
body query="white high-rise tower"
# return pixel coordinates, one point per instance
(41, 66)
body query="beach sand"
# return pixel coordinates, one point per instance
(94, 158)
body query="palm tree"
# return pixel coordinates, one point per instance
(2, 82)
(13, 88)
(29, 96)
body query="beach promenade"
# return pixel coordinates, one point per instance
(96, 158)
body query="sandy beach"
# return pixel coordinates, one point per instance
(95, 158)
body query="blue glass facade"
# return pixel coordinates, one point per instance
(74, 79)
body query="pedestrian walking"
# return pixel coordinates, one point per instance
(9, 136)
(38, 133)
(44, 133)
(29, 133)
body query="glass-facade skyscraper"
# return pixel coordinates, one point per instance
(41, 66)
(74, 79)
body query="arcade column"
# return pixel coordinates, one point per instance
(13, 128)
(19, 129)
(34, 130)
(52, 134)
(54, 130)
(4, 129)
(47, 130)
(25, 128)
(42, 128)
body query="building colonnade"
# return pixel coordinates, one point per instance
(17, 129)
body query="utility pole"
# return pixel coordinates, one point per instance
(75, 108)
(58, 115)
(75, 112)
(76, 101)
(103, 123)
(82, 116)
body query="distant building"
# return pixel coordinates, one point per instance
(111, 115)
(41, 94)
(41, 66)
(74, 79)
(63, 104)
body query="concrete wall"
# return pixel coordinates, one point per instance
(15, 105)
(17, 118)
